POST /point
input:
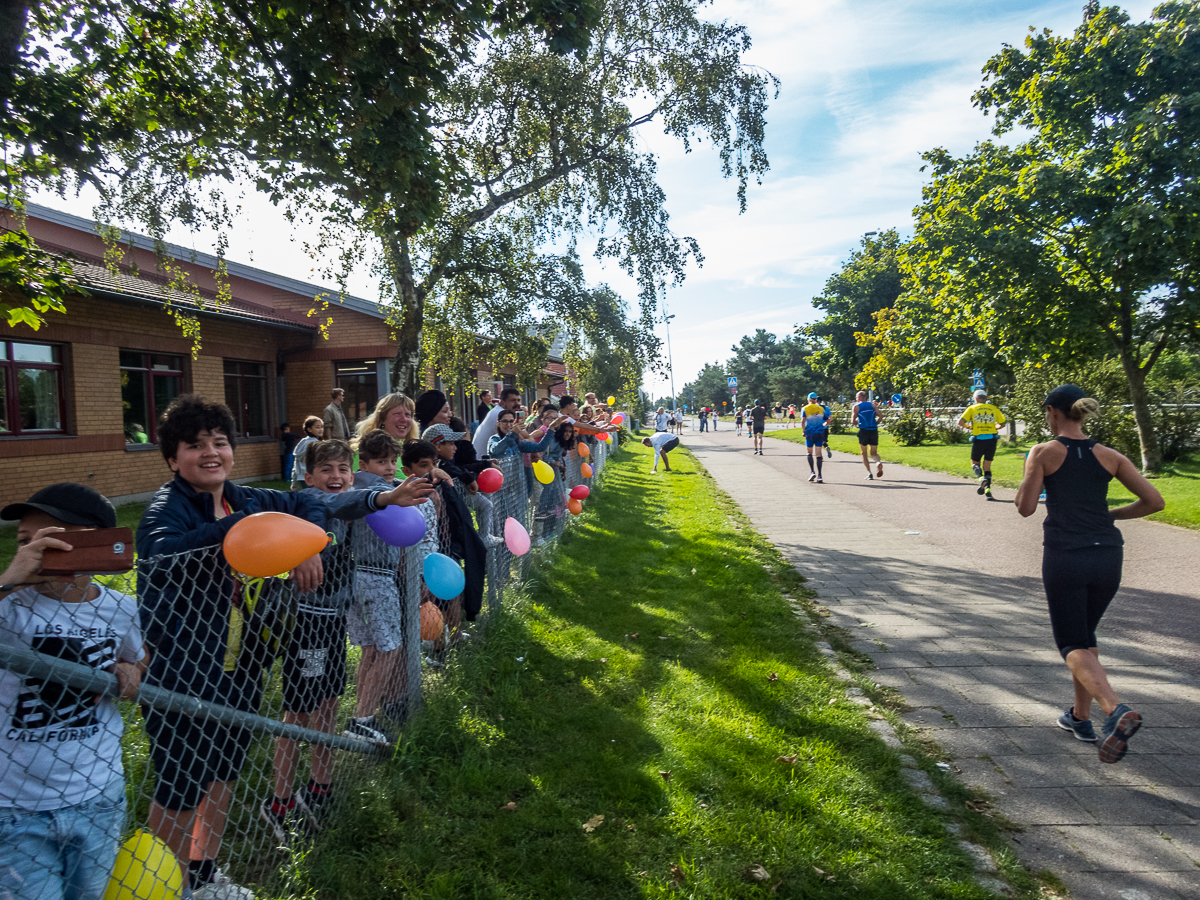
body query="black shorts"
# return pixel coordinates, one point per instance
(669, 445)
(868, 437)
(792, 417)
(314, 664)
(1079, 586)
(985, 449)
(759, 427)
(189, 753)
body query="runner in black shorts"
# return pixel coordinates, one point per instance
(866, 417)
(1082, 555)
(758, 425)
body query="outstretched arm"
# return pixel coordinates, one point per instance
(1148, 501)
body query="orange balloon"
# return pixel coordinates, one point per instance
(584, 451)
(432, 622)
(575, 507)
(585, 470)
(272, 543)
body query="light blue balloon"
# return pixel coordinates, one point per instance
(443, 576)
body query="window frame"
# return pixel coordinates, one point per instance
(150, 371)
(242, 377)
(13, 392)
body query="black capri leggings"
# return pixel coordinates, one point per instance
(1079, 586)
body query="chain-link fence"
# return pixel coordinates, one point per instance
(259, 710)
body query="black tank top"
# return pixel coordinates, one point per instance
(1077, 501)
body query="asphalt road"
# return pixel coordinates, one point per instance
(1158, 607)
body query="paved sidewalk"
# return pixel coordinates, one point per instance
(967, 641)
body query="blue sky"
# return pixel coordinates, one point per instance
(867, 85)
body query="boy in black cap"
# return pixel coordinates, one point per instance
(62, 789)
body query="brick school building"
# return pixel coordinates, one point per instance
(80, 396)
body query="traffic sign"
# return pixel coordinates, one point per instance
(897, 399)
(732, 381)
(977, 380)
(733, 390)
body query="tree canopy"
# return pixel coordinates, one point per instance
(1086, 235)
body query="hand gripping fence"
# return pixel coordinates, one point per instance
(260, 710)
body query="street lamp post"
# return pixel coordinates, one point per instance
(670, 368)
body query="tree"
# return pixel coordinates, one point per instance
(755, 357)
(710, 388)
(868, 282)
(148, 101)
(539, 148)
(1084, 238)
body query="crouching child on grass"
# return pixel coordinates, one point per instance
(62, 788)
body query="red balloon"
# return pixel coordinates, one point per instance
(490, 480)
(580, 492)
(575, 507)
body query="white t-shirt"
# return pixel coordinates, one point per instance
(663, 437)
(485, 431)
(660, 421)
(61, 747)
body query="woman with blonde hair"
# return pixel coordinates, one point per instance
(1082, 554)
(395, 414)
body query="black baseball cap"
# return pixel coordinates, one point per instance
(75, 504)
(1063, 397)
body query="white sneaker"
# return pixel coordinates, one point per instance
(812, 477)
(222, 889)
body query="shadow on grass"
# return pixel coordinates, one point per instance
(646, 647)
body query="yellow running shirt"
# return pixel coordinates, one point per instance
(984, 419)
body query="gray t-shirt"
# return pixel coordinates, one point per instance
(61, 747)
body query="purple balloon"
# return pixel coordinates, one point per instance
(400, 526)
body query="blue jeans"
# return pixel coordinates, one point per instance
(63, 853)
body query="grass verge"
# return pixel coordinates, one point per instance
(1179, 482)
(648, 718)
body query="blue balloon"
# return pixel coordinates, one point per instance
(400, 526)
(443, 576)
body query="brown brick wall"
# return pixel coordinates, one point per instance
(308, 387)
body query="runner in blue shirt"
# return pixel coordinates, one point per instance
(866, 417)
(814, 435)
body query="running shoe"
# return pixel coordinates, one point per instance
(812, 476)
(870, 477)
(982, 487)
(879, 470)
(830, 452)
(977, 470)
(820, 480)
(367, 728)
(1122, 724)
(1081, 728)
(287, 825)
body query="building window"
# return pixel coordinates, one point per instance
(359, 378)
(31, 391)
(149, 381)
(246, 396)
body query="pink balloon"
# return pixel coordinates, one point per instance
(580, 492)
(516, 537)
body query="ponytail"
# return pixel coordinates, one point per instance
(1082, 408)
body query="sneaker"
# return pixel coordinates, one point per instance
(820, 480)
(367, 729)
(982, 487)
(1122, 724)
(977, 470)
(879, 470)
(812, 476)
(830, 452)
(221, 888)
(869, 477)
(287, 826)
(1081, 728)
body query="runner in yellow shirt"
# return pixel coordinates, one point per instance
(984, 420)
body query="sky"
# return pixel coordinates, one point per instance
(867, 86)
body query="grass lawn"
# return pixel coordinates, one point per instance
(1179, 481)
(648, 718)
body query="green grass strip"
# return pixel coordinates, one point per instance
(653, 674)
(1179, 481)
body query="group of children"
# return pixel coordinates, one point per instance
(201, 630)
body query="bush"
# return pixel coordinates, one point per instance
(909, 427)
(949, 433)
(839, 422)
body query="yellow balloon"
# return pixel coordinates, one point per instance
(146, 869)
(542, 472)
(612, 401)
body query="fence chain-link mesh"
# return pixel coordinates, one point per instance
(259, 707)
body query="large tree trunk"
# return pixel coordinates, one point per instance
(1136, 376)
(407, 374)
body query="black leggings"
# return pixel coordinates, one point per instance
(1079, 586)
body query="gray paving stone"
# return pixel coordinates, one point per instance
(1127, 886)
(1124, 805)
(1045, 806)
(981, 859)
(918, 780)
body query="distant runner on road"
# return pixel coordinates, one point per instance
(814, 435)
(738, 418)
(758, 424)
(1082, 555)
(791, 415)
(984, 420)
(866, 416)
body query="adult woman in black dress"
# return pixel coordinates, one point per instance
(1082, 555)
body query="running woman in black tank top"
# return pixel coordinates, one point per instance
(1082, 555)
